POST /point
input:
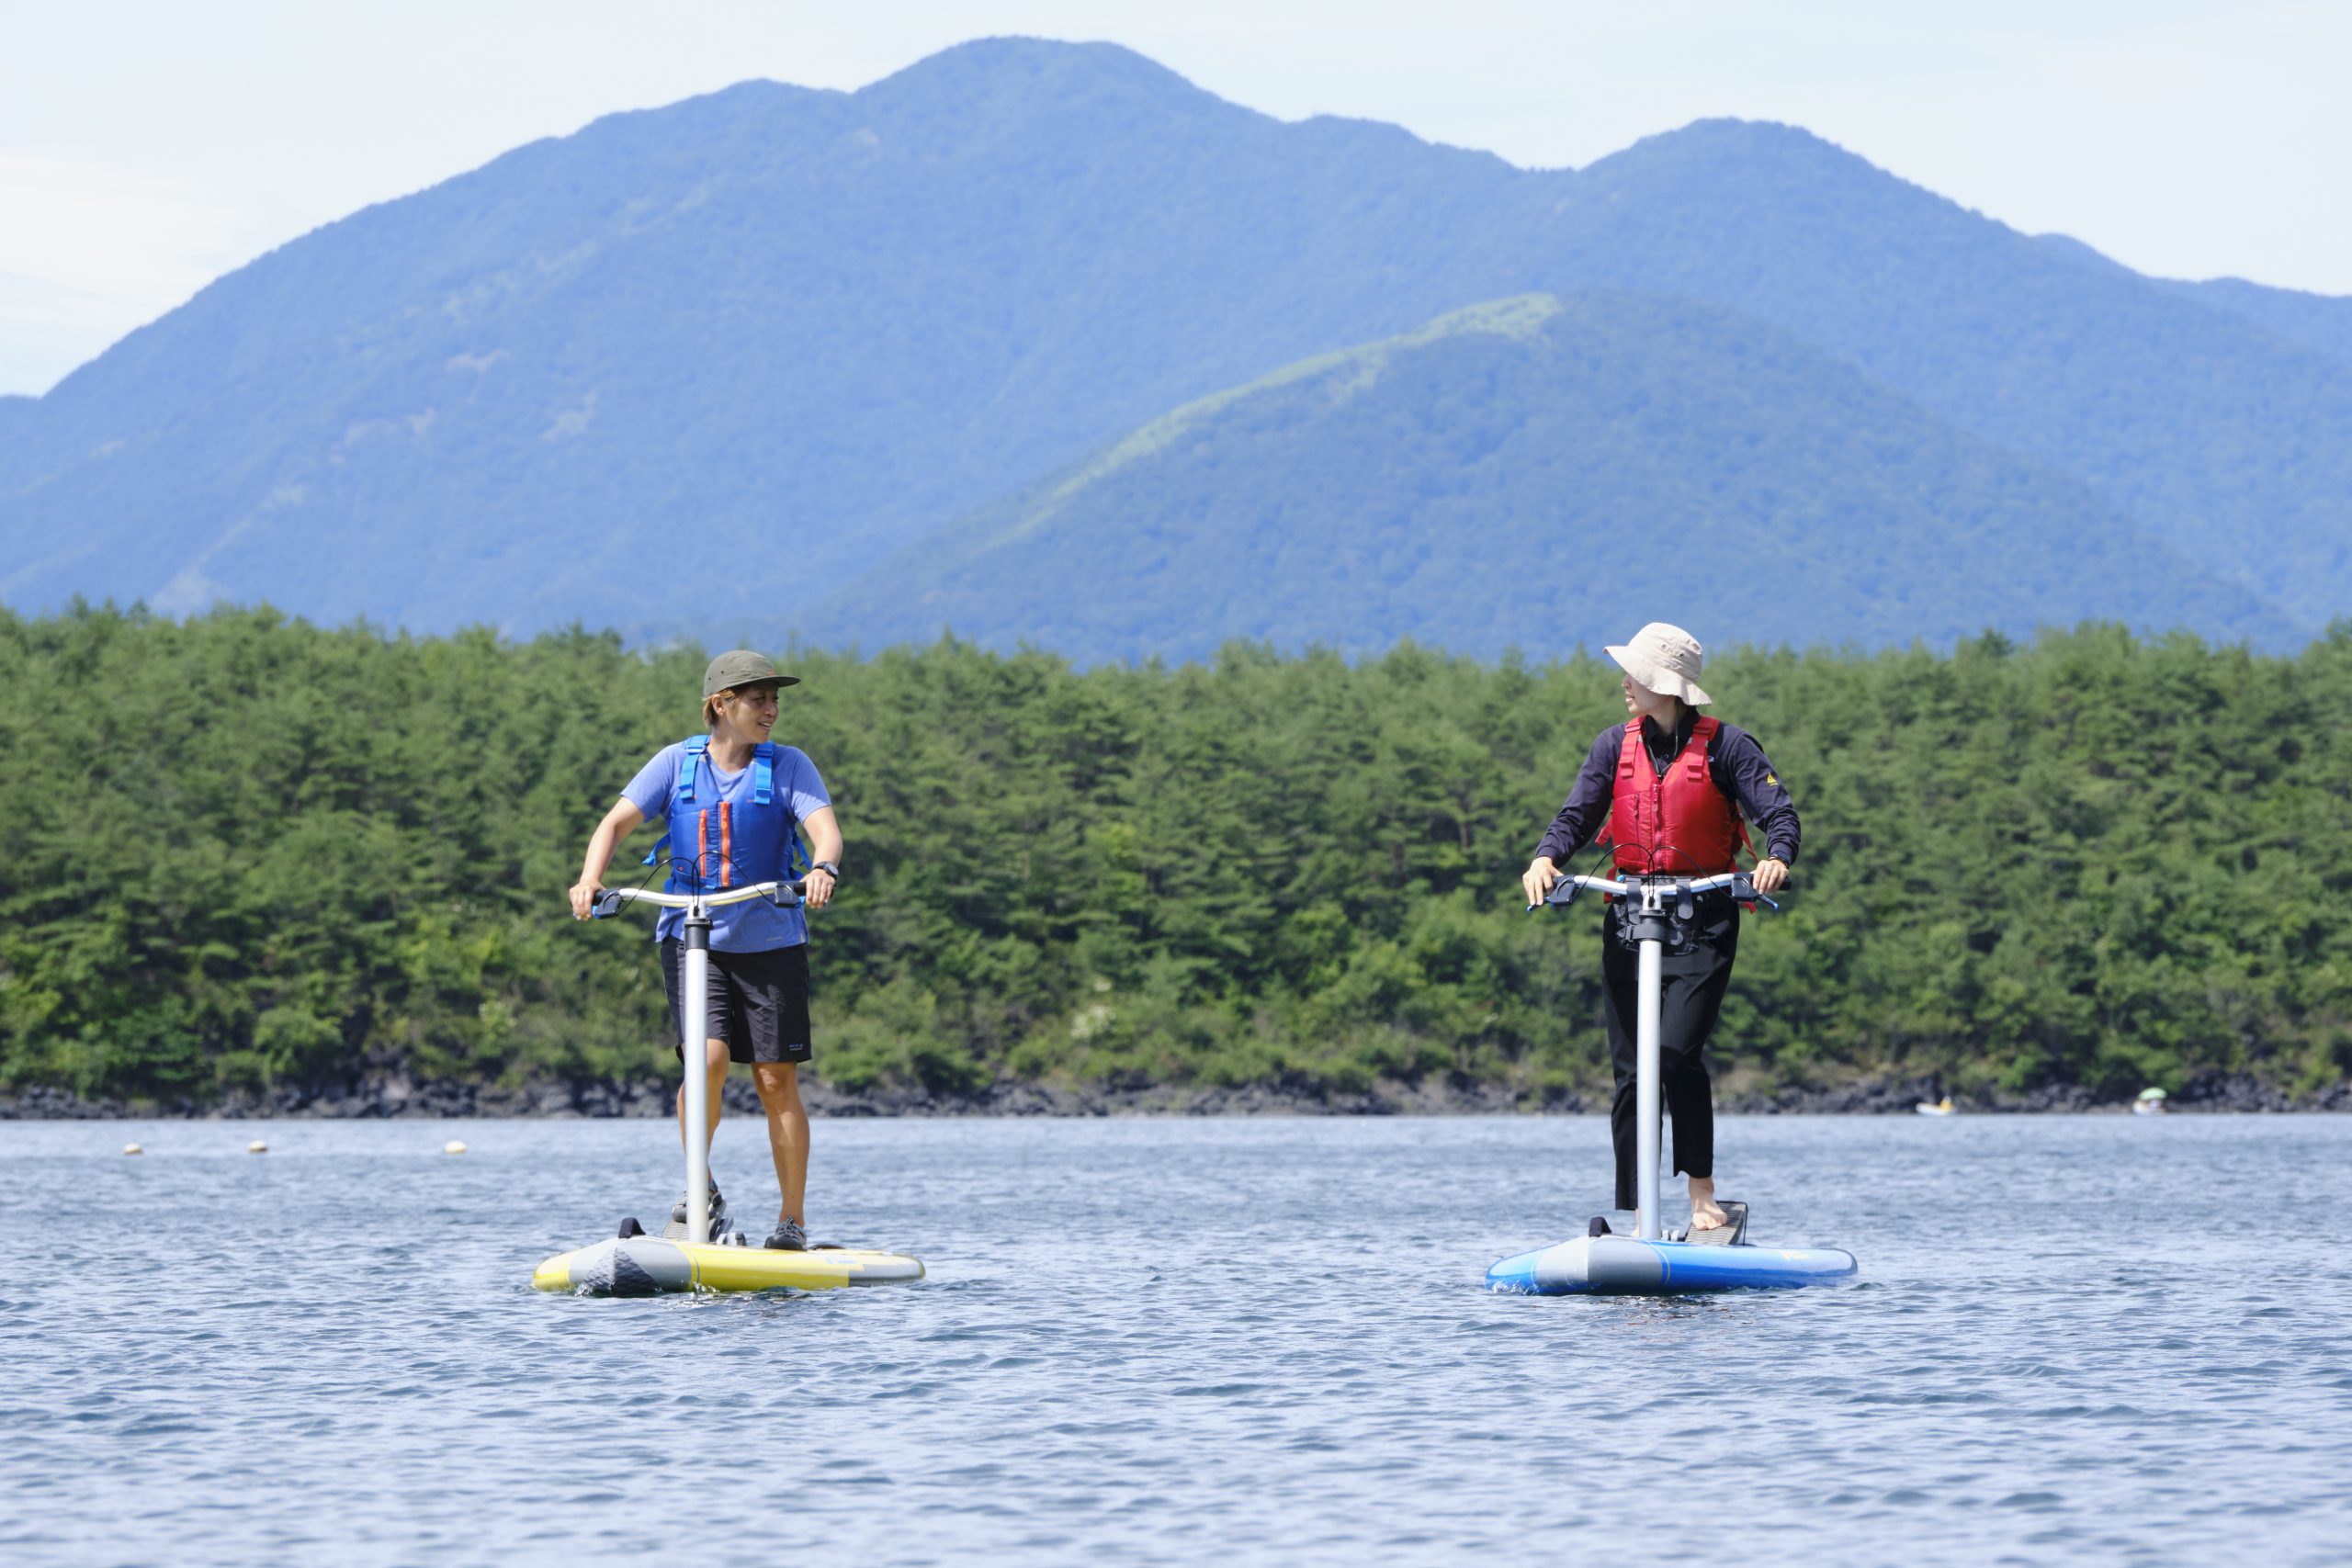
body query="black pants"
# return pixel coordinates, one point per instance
(1690, 996)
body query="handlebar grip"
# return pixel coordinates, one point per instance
(608, 903)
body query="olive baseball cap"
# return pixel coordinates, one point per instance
(741, 667)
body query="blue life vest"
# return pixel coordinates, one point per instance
(712, 845)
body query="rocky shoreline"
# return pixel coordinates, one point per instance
(382, 1098)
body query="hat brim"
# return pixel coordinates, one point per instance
(746, 685)
(1655, 677)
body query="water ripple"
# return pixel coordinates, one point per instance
(1161, 1342)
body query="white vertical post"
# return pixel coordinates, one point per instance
(696, 982)
(1646, 1088)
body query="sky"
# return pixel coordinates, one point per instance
(148, 146)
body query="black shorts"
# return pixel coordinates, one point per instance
(758, 1001)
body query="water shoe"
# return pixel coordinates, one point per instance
(787, 1237)
(717, 1212)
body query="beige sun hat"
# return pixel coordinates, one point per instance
(1664, 659)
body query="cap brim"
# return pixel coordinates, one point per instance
(711, 692)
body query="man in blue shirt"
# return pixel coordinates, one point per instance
(733, 801)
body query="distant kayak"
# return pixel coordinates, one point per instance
(1943, 1106)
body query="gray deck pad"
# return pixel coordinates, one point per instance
(1733, 1232)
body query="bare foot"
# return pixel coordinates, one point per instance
(1706, 1214)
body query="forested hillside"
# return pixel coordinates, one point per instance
(244, 851)
(1495, 479)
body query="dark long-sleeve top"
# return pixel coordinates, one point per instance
(1735, 761)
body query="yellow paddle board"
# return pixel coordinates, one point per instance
(644, 1266)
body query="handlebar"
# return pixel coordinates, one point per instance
(1663, 886)
(609, 902)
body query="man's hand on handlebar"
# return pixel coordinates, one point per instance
(816, 888)
(1769, 876)
(584, 898)
(1540, 877)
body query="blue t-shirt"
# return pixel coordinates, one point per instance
(755, 926)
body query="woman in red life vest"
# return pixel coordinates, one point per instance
(1670, 787)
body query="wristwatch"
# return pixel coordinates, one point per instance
(829, 868)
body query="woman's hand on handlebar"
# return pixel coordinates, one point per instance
(584, 898)
(1769, 876)
(1540, 877)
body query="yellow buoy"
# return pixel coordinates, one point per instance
(132, 1149)
(256, 1147)
(454, 1146)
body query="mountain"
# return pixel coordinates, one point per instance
(700, 368)
(2317, 321)
(1542, 472)
(2233, 445)
(755, 339)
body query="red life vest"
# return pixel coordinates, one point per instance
(1680, 825)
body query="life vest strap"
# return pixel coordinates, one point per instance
(1702, 737)
(682, 792)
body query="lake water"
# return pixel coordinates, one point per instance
(2093, 1338)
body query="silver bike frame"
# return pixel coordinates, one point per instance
(694, 979)
(1656, 901)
